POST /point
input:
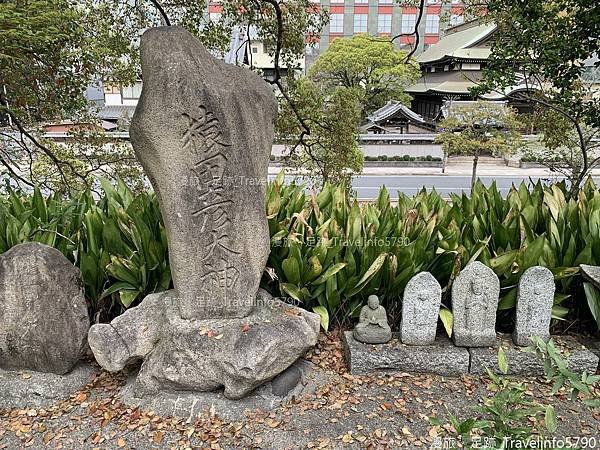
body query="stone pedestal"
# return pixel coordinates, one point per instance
(579, 358)
(204, 355)
(441, 357)
(192, 405)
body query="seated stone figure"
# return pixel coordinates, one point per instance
(372, 325)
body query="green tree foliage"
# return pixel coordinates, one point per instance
(50, 51)
(543, 45)
(479, 128)
(330, 152)
(372, 66)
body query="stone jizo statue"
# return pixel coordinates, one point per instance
(474, 301)
(535, 297)
(372, 325)
(420, 310)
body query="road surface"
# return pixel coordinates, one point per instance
(367, 186)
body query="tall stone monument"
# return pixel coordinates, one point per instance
(475, 295)
(420, 309)
(535, 296)
(203, 132)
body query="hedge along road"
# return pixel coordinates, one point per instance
(367, 186)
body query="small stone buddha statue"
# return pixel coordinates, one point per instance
(372, 325)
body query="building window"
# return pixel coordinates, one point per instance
(456, 19)
(431, 2)
(337, 1)
(360, 23)
(336, 24)
(408, 23)
(384, 23)
(432, 24)
(386, 2)
(132, 91)
(214, 16)
(254, 49)
(361, 1)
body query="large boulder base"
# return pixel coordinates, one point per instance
(194, 405)
(203, 132)
(43, 315)
(204, 355)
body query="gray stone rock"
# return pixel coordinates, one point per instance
(475, 294)
(31, 389)
(132, 335)
(193, 405)
(286, 381)
(205, 355)
(520, 362)
(372, 327)
(535, 297)
(442, 357)
(420, 309)
(43, 315)
(591, 273)
(203, 131)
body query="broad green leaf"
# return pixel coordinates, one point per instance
(502, 362)
(128, 297)
(550, 419)
(447, 320)
(324, 314)
(592, 295)
(329, 273)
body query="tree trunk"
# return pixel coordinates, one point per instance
(474, 173)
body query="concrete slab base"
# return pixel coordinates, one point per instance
(192, 405)
(29, 389)
(579, 358)
(442, 357)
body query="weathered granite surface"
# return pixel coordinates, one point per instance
(578, 357)
(31, 389)
(442, 357)
(191, 405)
(591, 273)
(420, 309)
(203, 131)
(372, 327)
(475, 294)
(535, 296)
(204, 355)
(43, 315)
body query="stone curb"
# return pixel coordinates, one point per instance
(444, 358)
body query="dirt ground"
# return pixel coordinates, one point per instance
(386, 411)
